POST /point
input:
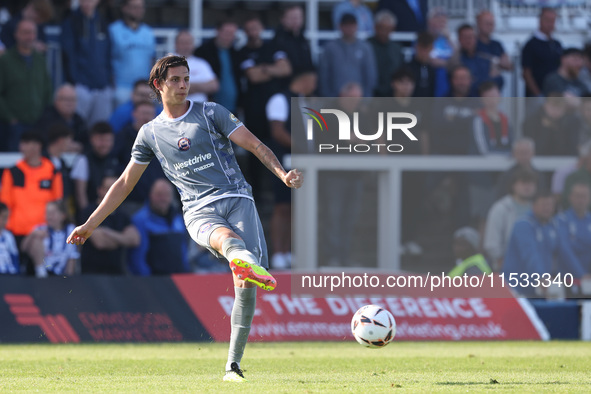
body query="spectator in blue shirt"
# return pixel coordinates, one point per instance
(536, 247)
(9, 258)
(481, 67)
(86, 47)
(163, 246)
(487, 46)
(133, 48)
(574, 224)
(443, 49)
(123, 114)
(361, 12)
(347, 59)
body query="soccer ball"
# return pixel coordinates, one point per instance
(373, 326)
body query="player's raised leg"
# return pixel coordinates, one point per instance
(245, 265)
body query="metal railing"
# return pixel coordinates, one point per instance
(389, 170)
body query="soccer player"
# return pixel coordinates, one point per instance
(192, 142)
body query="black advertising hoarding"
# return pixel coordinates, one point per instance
(95, 309)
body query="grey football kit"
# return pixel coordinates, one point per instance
(196, 155)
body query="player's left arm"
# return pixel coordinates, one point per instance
(245, 139)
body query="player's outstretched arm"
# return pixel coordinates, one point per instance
(245, 139)
(114, 197)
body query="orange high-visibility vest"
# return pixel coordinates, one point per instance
(26, 191)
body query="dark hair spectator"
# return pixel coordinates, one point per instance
(339, 66)
(163, 237)
(86, 50)
(420, 64)
(105, 250)
(89, 168)
(388, 54)
(289, 36)
(221, 55)
(25, 197)
(481, 67)
(361, 12)
(40, 12)
(122, 115)
(553, 128)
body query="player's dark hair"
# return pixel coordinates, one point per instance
(3, 207)
(160, 70)
(101, 128)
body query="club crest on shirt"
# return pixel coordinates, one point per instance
(233, 118)
(205, 227)
(184, 143)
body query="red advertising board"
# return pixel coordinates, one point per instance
(280, 316)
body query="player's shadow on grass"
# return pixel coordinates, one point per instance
(493, 383)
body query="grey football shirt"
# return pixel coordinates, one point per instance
(195, 153)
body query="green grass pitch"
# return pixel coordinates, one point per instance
(299, 367)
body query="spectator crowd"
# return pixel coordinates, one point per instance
(522, 225)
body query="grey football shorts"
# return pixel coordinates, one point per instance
(236, 213)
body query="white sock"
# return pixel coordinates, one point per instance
(235, 248)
